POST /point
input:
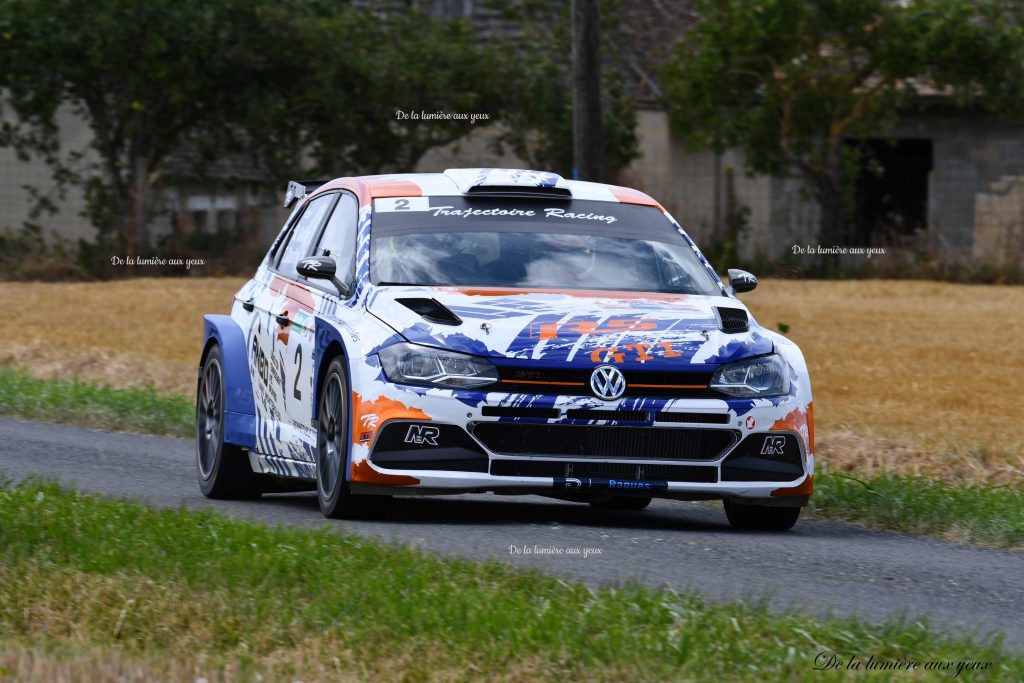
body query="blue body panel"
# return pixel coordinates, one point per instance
(239, 407)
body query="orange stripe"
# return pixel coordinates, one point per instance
(803, 489)
(627, 195)
(670, 386)
(363, 473)
(394, 188)
(534, 381)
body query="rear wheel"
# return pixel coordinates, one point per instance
(761, 517)
(332, 440)
(222, 469)
(622, 503)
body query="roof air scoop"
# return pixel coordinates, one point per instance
(508, 182)
(431, 310)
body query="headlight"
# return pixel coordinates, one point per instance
(754, 378)
(412, 364)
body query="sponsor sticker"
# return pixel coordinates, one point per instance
(610, 484)
(395, 204)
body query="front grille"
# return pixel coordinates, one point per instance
(618, 415)
(625, 443)
(514, 411)
(694, 418)
(576, 382)
(605, 470)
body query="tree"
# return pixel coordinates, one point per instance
(304, 86)
(146, 76)
(298, 84)
(791, 81)
(379, 91)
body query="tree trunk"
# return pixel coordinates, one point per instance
(587, 123)
(139, 235)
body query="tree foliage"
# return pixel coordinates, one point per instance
(791, 81)
(314, 85)
(342, 110)
(146, 76)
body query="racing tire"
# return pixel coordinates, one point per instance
(622, 503)
(333, 490)
(222, 469)
(761, 517)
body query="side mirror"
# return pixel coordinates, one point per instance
(321, 268)
(741, 281)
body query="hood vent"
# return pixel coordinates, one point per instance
(732, 320)
(431, 310)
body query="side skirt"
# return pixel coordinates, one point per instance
(281, 467)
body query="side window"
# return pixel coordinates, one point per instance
(339, 238)
(303, 233)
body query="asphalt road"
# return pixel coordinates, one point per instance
(818, 567)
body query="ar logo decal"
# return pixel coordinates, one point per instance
(422, 435)
(773, 445)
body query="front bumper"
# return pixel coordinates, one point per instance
(422, 441)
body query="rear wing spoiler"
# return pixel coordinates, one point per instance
(297, 189)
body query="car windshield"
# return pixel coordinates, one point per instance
(580, 254)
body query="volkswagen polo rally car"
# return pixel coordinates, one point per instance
(506, 331)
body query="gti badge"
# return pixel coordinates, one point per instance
(607, 382)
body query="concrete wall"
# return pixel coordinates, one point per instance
(472, 151)
(695, 188)
(969, 155)
(999, 223)
(15, 203)
(970, 158)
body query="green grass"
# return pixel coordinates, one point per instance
(80, 574)
(981, 514)
(93, 405)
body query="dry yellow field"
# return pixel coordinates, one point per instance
(125, 333)
(915, 377)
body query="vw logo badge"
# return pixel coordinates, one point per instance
(607, 382)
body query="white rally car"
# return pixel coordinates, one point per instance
(499, 330)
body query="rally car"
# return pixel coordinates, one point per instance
(499, 330)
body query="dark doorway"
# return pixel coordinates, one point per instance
(891, 194)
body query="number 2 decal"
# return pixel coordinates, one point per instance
(401, 205)
(298, 372)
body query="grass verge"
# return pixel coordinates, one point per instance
(975, 513)
(88, 583)
(94, 405)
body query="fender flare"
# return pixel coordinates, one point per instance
(325, 336)
(239, 405)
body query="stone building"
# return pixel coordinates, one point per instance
(952, 184)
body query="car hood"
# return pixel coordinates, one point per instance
(628, 328)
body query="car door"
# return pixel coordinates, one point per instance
(283, 342)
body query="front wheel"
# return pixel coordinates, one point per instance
(222, 468)
(332, 440)
(761, 517)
